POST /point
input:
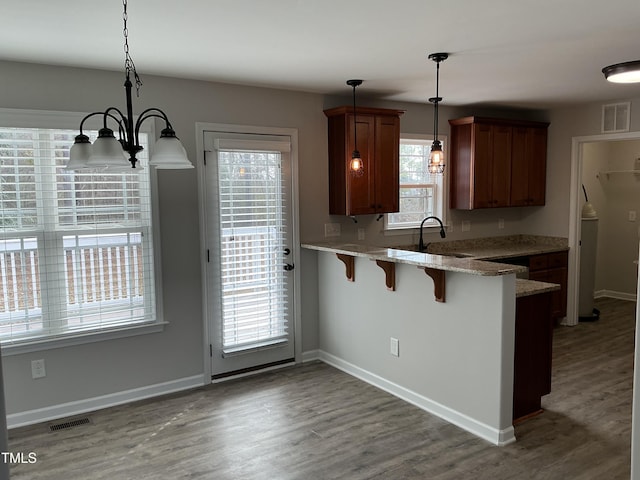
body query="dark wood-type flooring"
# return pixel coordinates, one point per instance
(315, 422)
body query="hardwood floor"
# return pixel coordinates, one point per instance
(315, 422)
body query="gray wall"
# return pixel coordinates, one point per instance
(86, 371)
(80, 372)
(614, 196)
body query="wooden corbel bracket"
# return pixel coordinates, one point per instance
(349, 263)
(389, 272)
(438, 282)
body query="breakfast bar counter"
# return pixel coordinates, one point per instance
(454, 357)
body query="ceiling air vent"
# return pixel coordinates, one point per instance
(615, 117)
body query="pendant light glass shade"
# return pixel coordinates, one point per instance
(107, 151)
(436, 158)
(627, 72)
(356, 162)
(169, 153)
(80, 153)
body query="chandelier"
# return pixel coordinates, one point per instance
(116, 155)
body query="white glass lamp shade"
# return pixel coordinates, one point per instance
(107, 152)
(169, 153)
(80, 153)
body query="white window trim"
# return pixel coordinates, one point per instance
(445, 190)
(18, 118)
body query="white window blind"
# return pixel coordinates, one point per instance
(252, 240)
(75, 248)
(421, 193)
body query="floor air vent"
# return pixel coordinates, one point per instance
(70, 424)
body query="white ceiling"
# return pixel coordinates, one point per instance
(522, 53)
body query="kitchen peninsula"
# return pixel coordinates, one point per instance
(455, 342)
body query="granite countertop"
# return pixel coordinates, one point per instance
(507, 246)
(466, 256)
(428, 260)
(525, 287)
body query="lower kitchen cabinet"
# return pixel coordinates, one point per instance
(552, 268)
(533, 353)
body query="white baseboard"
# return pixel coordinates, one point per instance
(79, 407)
(491, 434)
(310, 356)
(613, 294)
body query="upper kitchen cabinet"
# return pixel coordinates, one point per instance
(497, 163)
(378, 133)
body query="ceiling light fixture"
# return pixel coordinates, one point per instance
(436, 157)
(626, 72)
(356, 166)
(115, 155)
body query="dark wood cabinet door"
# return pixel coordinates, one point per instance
(537, 165)
(533, 353)
(360, 189)
(387, 164)
(481, 161)
(528, 166)
(519, 168)
(501, 166)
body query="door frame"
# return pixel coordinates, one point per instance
(575, 215)
(201, 128)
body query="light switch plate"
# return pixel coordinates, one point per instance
(394, 347)
(37, 369)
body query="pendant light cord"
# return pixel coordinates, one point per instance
(355, 122)
(437, 100)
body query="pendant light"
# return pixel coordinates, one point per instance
(356, 166)
(626, 72)
(436, 157)
(113, 154)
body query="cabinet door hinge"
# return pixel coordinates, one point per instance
(210, 351)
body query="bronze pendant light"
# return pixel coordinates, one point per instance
(436, 157)
(356, 165)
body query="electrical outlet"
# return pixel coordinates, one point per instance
(632, 215)
(37, 369)
(361, 234)
(501, 223)
(466, 225)
(394, 347)
(331, 229)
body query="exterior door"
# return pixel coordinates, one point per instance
(249, 236)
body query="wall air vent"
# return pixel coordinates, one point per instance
(615, 117)
(70, 424)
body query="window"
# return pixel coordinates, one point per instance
(421, 193)
(76, 252)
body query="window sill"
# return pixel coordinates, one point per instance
(36, 345)
(411, 230)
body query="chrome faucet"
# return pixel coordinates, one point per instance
(443, 234)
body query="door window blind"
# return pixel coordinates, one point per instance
(252, 242)
(75, 248)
